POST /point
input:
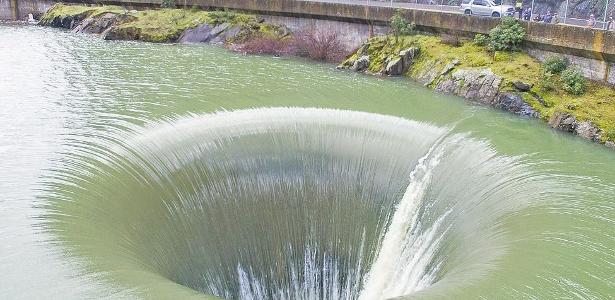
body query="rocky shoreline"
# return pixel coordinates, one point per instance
(456, 76)
(166, 25)
(467, 71)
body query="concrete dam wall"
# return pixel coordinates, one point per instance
(15, 10)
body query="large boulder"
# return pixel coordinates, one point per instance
(514, 103)
(361, 64)
(449, 67)
(225, 32)
(394, 66)
(101, 24)
(408, 56)
(84, 24)
(480, 85)
(349, 62)
(398, 65)
(200, 34)
(588, 131)
(522, 86)
(122, 33)
(68, 22)
(568, 123)
(563, 121)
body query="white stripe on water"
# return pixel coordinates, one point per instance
(404, 254)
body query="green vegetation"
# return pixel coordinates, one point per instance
(546, 96)
(556, 64)
(162, 25)
(62, 11)
(573, 81)
(481, 40)
(507, 36)
(399, 26)
(166, 25)
(548, 83)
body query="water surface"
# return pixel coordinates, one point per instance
(497, 206)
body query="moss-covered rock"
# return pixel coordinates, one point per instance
(69, 16)
(523, 87)
(162, 25)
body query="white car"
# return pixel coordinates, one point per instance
(486, 8)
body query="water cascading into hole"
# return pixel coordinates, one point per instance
(286, 203)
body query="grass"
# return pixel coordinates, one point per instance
(596, 105)
(167, 24)
(163, 25)
(61, 10)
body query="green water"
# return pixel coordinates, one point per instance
(59, 91)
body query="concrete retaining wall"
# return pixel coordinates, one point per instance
(351, 35)
(19, 9)
(594, 69)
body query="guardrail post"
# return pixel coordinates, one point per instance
(566, 11)
(606, 9)
(532, 12)
(15, 5)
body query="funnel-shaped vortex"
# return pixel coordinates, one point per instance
(288, 203)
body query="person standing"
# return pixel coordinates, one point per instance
(527, 14)
(519, 8)
(610, 24)
(592, 21)
(548, 17)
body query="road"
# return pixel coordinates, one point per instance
(442, 8)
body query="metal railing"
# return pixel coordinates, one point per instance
(536, 9)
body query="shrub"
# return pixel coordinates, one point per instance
(548, 82)
(573, 81)
(556, 64)
(480, 40)
(507, 36)
(266, 45)
(399, 26)
(319, 45)
(610, 134)
(167, 4)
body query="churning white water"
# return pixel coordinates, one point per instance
(290, 203)
(399, 268)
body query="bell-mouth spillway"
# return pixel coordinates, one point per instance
(288, 203)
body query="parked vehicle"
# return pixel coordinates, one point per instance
(486, 8)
